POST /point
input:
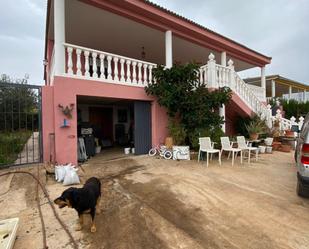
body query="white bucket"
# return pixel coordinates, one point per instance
(133, 150)
(262, 149)
(97, 149)
(127, 151)
(269, 149)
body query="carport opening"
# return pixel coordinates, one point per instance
(105, 126)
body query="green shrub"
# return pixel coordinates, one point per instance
(292, 107)
(11, 144)
(188, 101)
(249, 125)
(177, 131)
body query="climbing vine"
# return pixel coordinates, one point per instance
(191, 106)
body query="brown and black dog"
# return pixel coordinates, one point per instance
(84, 200)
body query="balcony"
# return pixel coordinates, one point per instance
(90, 64)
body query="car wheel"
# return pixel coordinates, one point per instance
(300, 190)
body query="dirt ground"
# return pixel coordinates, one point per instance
(154, 203)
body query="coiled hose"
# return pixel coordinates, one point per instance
(75, 246)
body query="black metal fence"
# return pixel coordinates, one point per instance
(20, 124)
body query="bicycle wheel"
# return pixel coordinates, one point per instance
(168, 155)
(152, 152)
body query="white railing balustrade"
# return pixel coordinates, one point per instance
(97, 65)
(259, 92)
(222, 76)
(215, 76)
(286, 124)
(203, 74)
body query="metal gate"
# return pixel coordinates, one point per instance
(142, 124)
(20, 124)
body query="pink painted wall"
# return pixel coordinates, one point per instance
(159, 123)
(65, 92)
(47, 119)
(235, 108)
(50, 47)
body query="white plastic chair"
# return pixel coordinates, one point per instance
(241, 141)
(226, 145)
(207, 146)
(268, 141)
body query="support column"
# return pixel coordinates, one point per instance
(223, 59)
(263, 80)
(168, 49)
(305, 96)
(290, 92)
(222, 114)
(273, 89)
(59, 36)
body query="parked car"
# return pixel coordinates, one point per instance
(302, 160)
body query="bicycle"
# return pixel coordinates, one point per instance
(162, 151)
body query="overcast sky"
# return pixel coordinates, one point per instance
(278, 28)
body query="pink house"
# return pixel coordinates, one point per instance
(100, 55)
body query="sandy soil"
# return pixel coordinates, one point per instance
(154, 203)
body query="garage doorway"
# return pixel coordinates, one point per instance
(108, 126)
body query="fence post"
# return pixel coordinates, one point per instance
(269, 116)
(279, 118)
(293, 121)
(212, 71)
(232, 74)
(301, 122)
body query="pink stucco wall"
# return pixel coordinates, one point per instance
(47, 119)
(235, 108)
(65, 91)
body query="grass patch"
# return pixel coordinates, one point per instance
(11, 144)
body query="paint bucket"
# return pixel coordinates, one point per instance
(133, 150)
(262, 149)
(269, 149)
(127, 151)
(98, 149)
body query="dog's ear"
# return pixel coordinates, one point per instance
(73, 196)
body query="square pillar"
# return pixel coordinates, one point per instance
(305, 96)
(168, 49)
(263, 80)
(59, 36)
(273, 89)
(290, 92)
(223, 59)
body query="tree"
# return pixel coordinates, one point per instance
(190, 105)
(18, 104)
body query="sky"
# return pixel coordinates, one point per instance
(277, 28)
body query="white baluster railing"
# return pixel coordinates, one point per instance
(215, 76)
(203, 74)
(286, 124)
(97, 65)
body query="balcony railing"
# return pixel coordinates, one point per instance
(97, 65)
(215, 76)
(86, 63)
